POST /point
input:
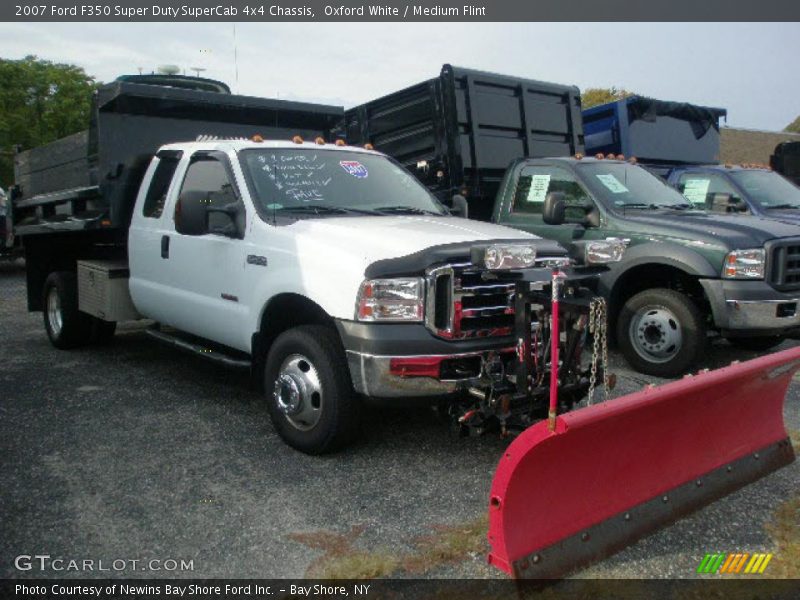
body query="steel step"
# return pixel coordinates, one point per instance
(198, 349)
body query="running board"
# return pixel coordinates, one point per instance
(199, 349)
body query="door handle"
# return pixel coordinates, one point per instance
(164, 246)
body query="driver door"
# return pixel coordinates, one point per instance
(533, 184)
(205, 265)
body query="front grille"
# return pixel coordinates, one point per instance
(785, 265)
(462, 304)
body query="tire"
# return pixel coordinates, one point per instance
(103, 331)
(756, 344)
(309, 393)
(66, 326)
(661, 332)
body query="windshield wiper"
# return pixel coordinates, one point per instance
(641, 205)
(652, 206)
(324, 209)
(411, 210)
(781, 206)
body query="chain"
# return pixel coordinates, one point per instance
(597, 327)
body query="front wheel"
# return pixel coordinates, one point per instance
(309, 394)
(661, 332)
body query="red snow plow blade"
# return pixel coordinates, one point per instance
(612, 472)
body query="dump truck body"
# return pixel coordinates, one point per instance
(786, 160)
(658, 133)
(464, 127)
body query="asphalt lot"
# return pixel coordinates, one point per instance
(135, 451)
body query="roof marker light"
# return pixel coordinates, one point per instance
(297, 139)
(320, 141)
(599, 156)
(578, 156)
(633, 160)
(341, 142)
(369, 147)
(257, 138)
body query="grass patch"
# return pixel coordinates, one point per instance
(785, 531)
(794, 436)
(340, 558)
(449, 544)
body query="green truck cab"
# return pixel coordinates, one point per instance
(685, 272)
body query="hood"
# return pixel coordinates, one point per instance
(737, 231)
(791, 216)
(379, 238)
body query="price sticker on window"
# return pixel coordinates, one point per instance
(613, 184)
(696, 190)
(539, 186)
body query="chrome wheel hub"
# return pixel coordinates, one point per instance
(298, 392)
(54, 316)
(656, 334)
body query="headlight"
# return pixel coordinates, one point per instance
(400, 299)
(600, 252)
(504, 256)
(744, 264)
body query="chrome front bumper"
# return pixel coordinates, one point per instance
(751, 307)
(372, 376)
(763, 314)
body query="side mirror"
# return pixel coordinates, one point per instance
(191, 216)
(231, 224)
(554, 209)
(460, 207)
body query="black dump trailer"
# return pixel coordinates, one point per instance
(659, 133)
(76, 194)
(786, 160)
(465, 127)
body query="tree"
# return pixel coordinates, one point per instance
(594, 96)
(794, 126)
(40, 101)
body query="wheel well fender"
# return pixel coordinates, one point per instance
(283, 312)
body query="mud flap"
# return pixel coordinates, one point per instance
(613, 472)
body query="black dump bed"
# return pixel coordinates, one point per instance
(786, 160)
(91, 179)
(465, 127)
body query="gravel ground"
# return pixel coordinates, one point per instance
(135, 451)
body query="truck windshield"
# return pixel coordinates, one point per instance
(321, 183)
(623, 185)
(769, 189)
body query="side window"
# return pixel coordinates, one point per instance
(536, 182)
(159, 185)
(206, 184)
(699, 188)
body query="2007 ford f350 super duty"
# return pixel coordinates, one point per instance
(328, 270)
(329, 267)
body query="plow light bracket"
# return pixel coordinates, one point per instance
(500, 256)
(598, 252)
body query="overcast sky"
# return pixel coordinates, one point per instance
(748, 68)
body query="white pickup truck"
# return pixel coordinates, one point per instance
(327, 269)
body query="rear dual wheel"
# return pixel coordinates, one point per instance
(66, 326)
